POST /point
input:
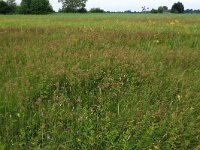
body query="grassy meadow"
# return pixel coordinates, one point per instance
(100, 81)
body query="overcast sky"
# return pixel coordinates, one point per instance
(134, 5)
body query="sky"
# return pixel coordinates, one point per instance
(133, 5)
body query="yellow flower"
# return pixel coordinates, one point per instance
(179, 97)
(79, 140)
(156, 147)
(18, 115)
(176, 21)
(157, 41)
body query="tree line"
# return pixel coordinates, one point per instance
(26, 7)
(44, 7)
(73, 6)
(176, 8)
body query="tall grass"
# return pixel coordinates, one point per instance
(111, 81)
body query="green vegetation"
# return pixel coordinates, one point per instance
(7, 7)
(96, 10)
(35, 7)
(3, 7)
(41, 7)
(26, 7)
(73, 6)
(161, 9)
(100, 81)
(177, 8)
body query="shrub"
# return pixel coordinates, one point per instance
(96, 10)
(82, 10)
(154, 11)
(128, 11)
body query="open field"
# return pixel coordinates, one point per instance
(100, 81)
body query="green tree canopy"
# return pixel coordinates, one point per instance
(36, 7)
(165, 8)
(41, 7)
(4, 8)
(72, 5)
(12, 5)
(155, 11)
(177, 8)
(25, 7)
(96, 10)
(160, 9)
(8, 6)
(11, 2)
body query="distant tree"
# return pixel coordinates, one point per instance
(82, 10)
(18, 9)
(11, 2)
(8, 6)
(188, 11)
(4, 8)
(67, 10)
(196, 11)
(160, 9)
(154, 11)
(72, 5)
(25, 7)
(191, 11)
(127, 11)
(40, 7)
(35, 7)
(165, 8)
(177, 8)
(96, 10)
(12, 6)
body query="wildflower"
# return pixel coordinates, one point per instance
(48, 137)
(18, 115)
(78, 132)
(156, 147)
(192, 108)
(157, 41)
(42, 114)
(80, 119)
(78, 100)
(79, 140)
(176, 21)
(172, 23)
(179, 97)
